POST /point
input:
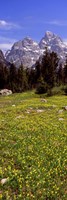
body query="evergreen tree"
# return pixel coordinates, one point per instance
(1, 76)
(65, 72)
(13, 78)
(59, 78)
(32, 80)
(22, 79)
(37, 71)
(49, 66)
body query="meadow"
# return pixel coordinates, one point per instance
(33, 147)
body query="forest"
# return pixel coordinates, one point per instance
(45, 75)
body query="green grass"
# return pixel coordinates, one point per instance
(33, 147)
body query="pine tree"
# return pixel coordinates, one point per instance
(49, 66)
(13, 78)
(65, 72)
(59, 78)
(1, 76)
(22, 79)
(37, 71)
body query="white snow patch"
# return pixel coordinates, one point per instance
(35, 43)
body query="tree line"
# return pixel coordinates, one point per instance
(46, 74)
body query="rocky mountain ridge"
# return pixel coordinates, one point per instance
(54, 43)
(27, 51)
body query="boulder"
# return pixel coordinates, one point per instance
(4, 180)
(60, 111)
(65, 107)
(44, 100)
(5, 92)
(61, 119)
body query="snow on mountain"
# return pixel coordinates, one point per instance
(27, 51)
(53, 43)
(6, 53)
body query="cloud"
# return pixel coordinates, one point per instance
(6, 43)
(3, 23)
(8, 25)
(57, 22)
(32, 20)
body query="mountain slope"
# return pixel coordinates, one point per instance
(1, 56)
(3, 60)
(54, 43)
(26, 51)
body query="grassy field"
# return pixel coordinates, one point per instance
(33, 147)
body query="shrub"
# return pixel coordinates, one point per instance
(41, 88)
(58, 90)
(65, 89)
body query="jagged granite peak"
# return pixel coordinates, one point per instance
(50, 38)
(49, 35)
(25, 44)
(22, 43)
(27, 51)
(53, 43)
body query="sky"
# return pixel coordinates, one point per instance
(22, 18)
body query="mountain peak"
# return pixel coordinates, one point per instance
(27, 38)
(49, 34)
(27, 51)
(52, 36)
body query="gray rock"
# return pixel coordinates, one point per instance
(40, 110)
(65, 107)
(60, 111)
(61, 119)
(4, 180)
(54, 43)
(5, 92)
(25, 51)
(44, 100)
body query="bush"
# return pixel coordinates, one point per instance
(41, 88)
(58, 90)
(65, 89)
